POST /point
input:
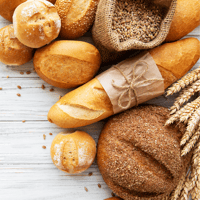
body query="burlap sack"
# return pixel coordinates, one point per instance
(104, 36)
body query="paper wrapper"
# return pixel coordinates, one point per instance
(132, 81)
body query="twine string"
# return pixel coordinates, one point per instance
(131, 84)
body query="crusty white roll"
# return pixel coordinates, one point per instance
(66, 63)
(12, 51)
(77, 16)
(36, 23)
(7, 7)
(73, 152)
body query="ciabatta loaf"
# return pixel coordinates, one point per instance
(90, 103)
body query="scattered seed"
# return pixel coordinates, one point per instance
(51, 90)
(99, 185)
(44, 147)
(7, 76)
(0, 88)
(86, 189)
(50, 133)
(19, 95)
(21, 73)
(90, 174)
(19, 87)
(60, 97)
(23, 121)
(28, 72)
(43, 87)
(44, 136)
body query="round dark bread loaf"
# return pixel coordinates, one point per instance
(138, 157)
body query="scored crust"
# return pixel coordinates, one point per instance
(138, 157)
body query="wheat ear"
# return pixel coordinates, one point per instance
(185, 81)
(185, 95)
(192, 124)
(187, 187)
(176, 193)
(188, 110)
(196, 172)
(191, 142)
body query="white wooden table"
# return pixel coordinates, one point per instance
(26, 169)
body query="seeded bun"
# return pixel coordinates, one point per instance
(76, 17)
(138, 157)
(12, 51)
(36, 23)
(73, 152)
(7, 7)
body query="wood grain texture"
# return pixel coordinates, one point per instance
(26, 169)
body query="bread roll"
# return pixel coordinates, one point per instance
(73, 153)
(67, 64)
(76, 16)
(138, 157)
(7, 7)
(185, 20)
(36, 23)
(90, 103)
(12, 51)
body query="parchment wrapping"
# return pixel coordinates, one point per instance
(144, 82)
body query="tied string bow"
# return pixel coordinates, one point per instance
(131, 84)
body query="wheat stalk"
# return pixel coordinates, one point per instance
(196, 172)
(191, 142)
(176, 193)
(192, 124)
(185, 95)
(188, 109)
(184, 113)
(185, 81)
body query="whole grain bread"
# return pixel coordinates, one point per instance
(138, 157)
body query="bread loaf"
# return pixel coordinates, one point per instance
(73, 152)
(185, 20)
(138, 157)
(67, 64)
(76, 17)
(90, 103)
(7, 7)
(36, 23)
(12, 51)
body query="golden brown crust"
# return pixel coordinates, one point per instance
(137, 156)
(12, 51)
(36, 23)
(176, 58)
(82, 106)
(7, 7)
(67, 64)
(76, 17)
(92, 103)
(73, 152)
(185, 20)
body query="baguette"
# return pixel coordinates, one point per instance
(185, 20)
(90, 103)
